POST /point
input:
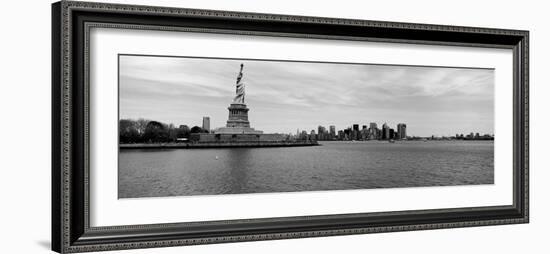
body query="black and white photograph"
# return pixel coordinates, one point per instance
(228, 127)
(214, 126)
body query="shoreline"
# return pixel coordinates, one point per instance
(265, 144)
(216, 145)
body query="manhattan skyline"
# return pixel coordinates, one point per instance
(285, 96)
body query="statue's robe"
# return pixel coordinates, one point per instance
(239, 97)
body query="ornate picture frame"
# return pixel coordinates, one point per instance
(71, 229)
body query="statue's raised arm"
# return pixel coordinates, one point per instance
(239, 91)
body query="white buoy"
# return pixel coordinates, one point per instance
(216, 157)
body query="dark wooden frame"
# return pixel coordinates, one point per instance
(71, 22)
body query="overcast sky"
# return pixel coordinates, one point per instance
(286, 96)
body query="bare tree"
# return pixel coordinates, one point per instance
(141, 124)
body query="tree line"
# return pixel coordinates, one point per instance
(149, 131)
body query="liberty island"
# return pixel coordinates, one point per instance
(236, 133)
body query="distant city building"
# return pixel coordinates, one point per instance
(476, 136)
(373, 131)
(392, 134)
(303, 135)
(206, 123)
(347, 134)
(321, 133)
(332, 130)
(364, 133)
(402, 131)
(355, 132)
(373, 126)
(385, 131)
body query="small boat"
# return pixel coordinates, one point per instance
(392, 141)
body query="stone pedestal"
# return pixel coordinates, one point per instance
(237, 122)
(238, 116)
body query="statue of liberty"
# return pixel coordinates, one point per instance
(239, 97)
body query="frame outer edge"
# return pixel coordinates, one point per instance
(65, 105)
(56, 208)
(526, 125)
(66, 108)
(188, 12)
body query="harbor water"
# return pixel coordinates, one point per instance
(335, 165)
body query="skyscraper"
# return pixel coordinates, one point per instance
(402, 131)
(303, 135)
(373, 131)
(364, 133)
(385, 131)
(355, 132)
(321, 132)
(206, 123)
(347, 133)
(332, 131)
(341, 135)
(373, 126)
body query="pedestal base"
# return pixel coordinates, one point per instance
(236, 130)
